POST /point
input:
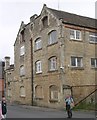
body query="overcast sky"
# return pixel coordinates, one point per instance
(12, 12)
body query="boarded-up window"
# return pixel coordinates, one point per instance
(38, 92)
(22, 91)
(53, 92)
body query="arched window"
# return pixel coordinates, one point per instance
(45, 21)
(38, 91)
(52, 37)
(38, 44)
(38, 66)
(53, 63)
(22, 50)
(22, 70)
(53, 92)
(22, 91)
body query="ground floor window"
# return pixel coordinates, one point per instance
(22, 91)
(38, 92)
(53, 93)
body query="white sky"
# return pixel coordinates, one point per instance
(12, 12)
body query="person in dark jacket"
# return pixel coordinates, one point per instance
(4, 107)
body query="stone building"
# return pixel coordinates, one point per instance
(2, 82)
(54, 55)
(9, 76)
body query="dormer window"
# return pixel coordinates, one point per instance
(22, 35)
(45, 21)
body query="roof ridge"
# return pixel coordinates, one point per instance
(71, 13)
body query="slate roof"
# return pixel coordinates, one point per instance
(75, 19)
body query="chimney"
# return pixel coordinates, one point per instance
(7, 62)
(32, 18)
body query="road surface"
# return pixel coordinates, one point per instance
(18, 111)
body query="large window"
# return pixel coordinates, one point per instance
(94, 62)
(22, 70)
(93, 37)
(38, 67)
(38, 44)
(52, 63)
(76, 61)
(22, 50)
(52, 37)
(75, 34)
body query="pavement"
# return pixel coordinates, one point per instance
(35, 107)
(47, 108)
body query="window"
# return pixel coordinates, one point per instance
(94, 62)
(75, 34)
(53, 92)
(22, 70)
(22, 35)
(38, 91)
(52, 63)
(38, 44)
(9, 93)
(22, 91)
(52, 37)
(38, 67)
(45, 21)
(76, 61)
(22, 50)
(93, 37)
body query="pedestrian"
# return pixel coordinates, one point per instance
(4, 107)
(69, 104)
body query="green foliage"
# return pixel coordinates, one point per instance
(86, 106)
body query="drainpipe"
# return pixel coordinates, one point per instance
(32, 94)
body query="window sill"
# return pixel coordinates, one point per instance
(52, 71)
(93, 67)
(38, 98)
(92, 42)
(53, 100)
(22, 55)
(22, 75)
(52, 44)
(39, 72)
(37, 49)
(76, 68)
(77, 40)
(22, 96)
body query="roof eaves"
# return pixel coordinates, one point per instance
(65, 22)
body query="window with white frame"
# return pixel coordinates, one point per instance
(38, 67)
(52, 37)
(75, 34)
(22, 50)
(22, 70)
(38, 44)
(52, 63)
(76, 62)
(22, 91)
(93, 37)
(94, 62)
